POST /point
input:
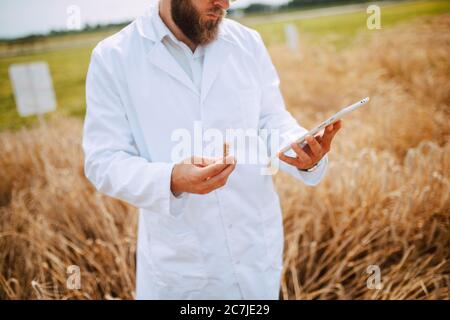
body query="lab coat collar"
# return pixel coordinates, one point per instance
(159, 55)
(216, 53)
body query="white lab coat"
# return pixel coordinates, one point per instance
(227, 244)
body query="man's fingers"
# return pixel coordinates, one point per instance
(219, 180)
(314, 146)
(202, 161)
(329, 134)
(199, 161)
(290, 160)
(304, 157)
(217, 167)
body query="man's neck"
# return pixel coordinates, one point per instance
(166, 17)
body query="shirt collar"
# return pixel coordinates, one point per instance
(162, 31)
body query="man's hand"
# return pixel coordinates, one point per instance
(315, 150)
(201, 175)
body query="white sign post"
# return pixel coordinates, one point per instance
(291, 34)
(33, 89)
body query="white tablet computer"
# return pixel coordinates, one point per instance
(301, 140)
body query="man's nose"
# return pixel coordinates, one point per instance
(224, 4)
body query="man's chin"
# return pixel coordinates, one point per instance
(211, 30)
(209, 37)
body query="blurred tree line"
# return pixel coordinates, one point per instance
(54, 33)
(251, 9)
(297, 4)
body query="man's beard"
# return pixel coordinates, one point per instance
(199, 29)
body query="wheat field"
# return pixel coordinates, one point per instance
(384, 202)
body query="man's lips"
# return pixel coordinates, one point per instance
(213, 15)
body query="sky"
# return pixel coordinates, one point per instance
(19, 18)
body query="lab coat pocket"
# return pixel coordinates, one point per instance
(272, 222)
(175, 255)
(249, 100)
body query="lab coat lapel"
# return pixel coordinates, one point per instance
(216, 55)
(161, 58)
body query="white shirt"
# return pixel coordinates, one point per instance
(191, 62)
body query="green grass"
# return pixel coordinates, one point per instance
(69, 66)
(345, 26)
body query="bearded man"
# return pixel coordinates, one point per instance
(208, 228)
